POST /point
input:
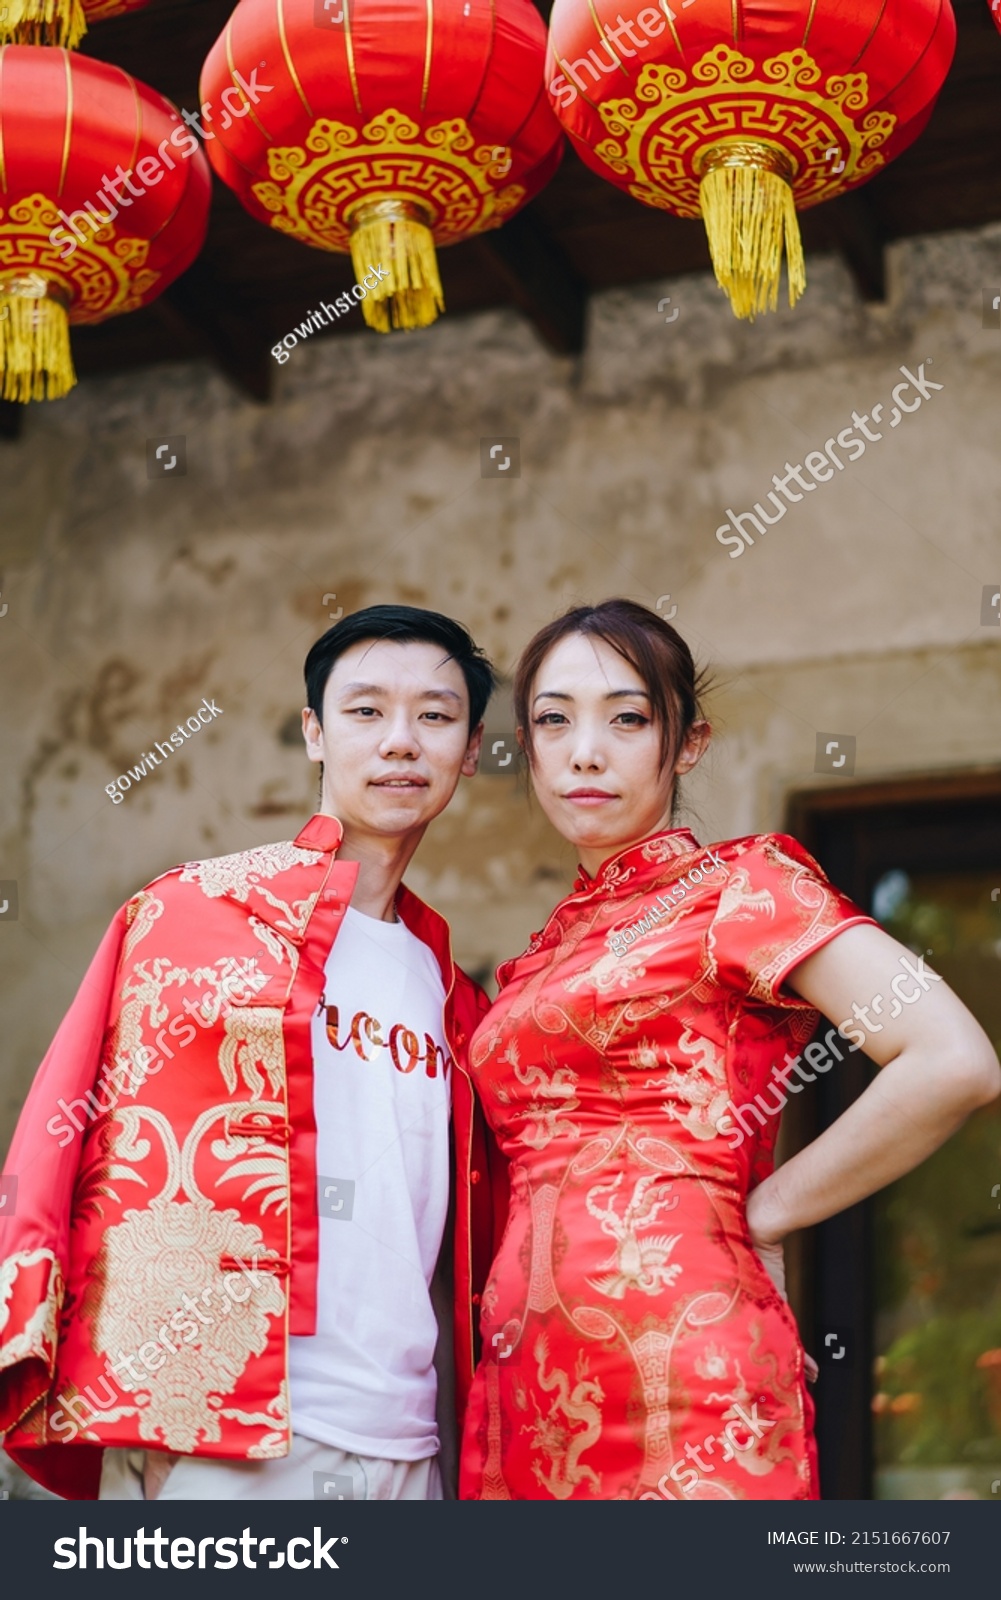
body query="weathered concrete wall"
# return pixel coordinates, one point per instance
(129, 599)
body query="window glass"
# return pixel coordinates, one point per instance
(937, 1232)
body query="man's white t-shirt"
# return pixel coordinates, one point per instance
(366, 1381)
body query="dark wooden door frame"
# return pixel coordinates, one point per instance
(856, 832)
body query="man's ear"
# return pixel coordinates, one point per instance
(470, 760)
(312, 733)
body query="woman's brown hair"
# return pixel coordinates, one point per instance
(651, 646)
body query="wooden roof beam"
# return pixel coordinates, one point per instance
(854, 230)
(11, 419)
(206, 312)
(540, 280)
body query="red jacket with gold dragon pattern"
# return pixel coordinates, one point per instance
(165, 1161)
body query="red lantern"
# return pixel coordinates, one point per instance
(78, 245)
(58, 22)
(386, 127)
(743, 110)
(996, 13)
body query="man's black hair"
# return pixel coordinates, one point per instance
(404, 624)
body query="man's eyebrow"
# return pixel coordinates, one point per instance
(613, 694)
(425, 694)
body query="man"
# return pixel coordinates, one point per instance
(233, 1166)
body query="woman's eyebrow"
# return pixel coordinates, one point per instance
(613, 694)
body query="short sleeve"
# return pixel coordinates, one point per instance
(776, 907)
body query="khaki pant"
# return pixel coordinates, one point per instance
(311, 1471)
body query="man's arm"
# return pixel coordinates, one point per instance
(44, 1160)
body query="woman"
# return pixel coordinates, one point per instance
(635, 1346)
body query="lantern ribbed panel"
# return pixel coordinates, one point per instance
(435, 106)
(820, 93)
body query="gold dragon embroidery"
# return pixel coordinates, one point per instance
(555, 1438)
(545, 1113)
(702, 1089)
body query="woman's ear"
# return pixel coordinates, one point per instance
(693, 747)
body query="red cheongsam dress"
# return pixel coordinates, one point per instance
(633, 1068)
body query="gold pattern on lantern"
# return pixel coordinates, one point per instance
(40, 295)
(106, 274)
(655, 138)
(439, 168)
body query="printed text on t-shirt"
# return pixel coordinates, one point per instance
(404, 1046)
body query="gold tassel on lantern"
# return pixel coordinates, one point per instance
(35, 359)
(749, 212)
(52, 22)
(394, 235)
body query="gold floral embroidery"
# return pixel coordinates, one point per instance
(155, 1269)
(142, 993)
(100, 1168)
(274, 1444)
(253, 1040)
(263, 1161)
(143, 910)
(242, 874)
(227, 982)
(38, 1336)
(278, 947)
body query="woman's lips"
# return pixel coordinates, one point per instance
(589, 797)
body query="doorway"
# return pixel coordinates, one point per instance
(900, 1297)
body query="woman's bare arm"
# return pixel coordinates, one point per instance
(937, 1066)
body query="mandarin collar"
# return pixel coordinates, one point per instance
(652, 851)
(320, 833)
